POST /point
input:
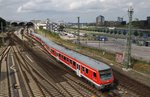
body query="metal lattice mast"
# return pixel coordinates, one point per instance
(127, 60)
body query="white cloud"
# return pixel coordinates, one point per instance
(67, 5)
(110, 8)
(77, 5)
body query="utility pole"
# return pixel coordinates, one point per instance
(2, 32)
(78, 30)
(47, 24)
(127, 57)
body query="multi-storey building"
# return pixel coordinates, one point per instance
(100, 20)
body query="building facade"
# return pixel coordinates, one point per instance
(120, 19)
(100, 20)
(148, 20)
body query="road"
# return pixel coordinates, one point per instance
(119, 45)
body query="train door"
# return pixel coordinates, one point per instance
(78, 70)
(57, 56)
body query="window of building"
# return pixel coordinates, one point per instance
(87, 70)
(94, 74)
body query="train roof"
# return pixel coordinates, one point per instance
(82, 58)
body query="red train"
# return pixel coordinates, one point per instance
(98, 73)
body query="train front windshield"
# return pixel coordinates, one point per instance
(105, 74)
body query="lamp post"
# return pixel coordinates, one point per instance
(2, 32)
(127, 57)
(78, 30)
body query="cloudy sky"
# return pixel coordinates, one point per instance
(69, 10)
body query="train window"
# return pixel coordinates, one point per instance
(52, 51)
(70, 61)
(67, 59)
(59, 55)
(64, 58)
(74, 63)
(79, 67)
(83, 69)
(94, 74)
(87, 70)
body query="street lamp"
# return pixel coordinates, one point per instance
(78, 30)
(127, 58)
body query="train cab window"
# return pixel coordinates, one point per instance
(94, 74)
(83, 69)
(87, 70)
(105, 74)
(74, 63)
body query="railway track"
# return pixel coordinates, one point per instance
(97, 93)
(41, 71)
(132, 85)
(4, 75)
(44, 85)
(53, 84)
(33, 87)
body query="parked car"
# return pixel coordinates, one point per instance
(102, 38)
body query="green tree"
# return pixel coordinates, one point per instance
(124, 32)
(111, 32)
(148, 34)
(40, 27)
(115, 32)
(141, 34)
(107, 31)
(61, 27)
(104, 31)
(119, 32)
(136, 33)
